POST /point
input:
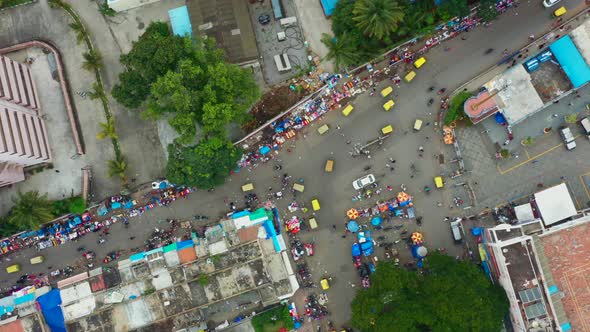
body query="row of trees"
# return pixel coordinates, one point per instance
(451, 295)
(364, 28)
(187, 82)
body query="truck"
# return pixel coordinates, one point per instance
(568, 138)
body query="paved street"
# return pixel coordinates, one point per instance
(334, 190)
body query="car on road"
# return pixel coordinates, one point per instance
(568, 138)
(550, 3)
(366, 180)
(456, 229)
(264, 19)
(585, 123)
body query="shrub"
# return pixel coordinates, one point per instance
(455, 111)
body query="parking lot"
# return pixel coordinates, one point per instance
(269, 44)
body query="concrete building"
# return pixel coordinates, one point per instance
(123, 5)
(23, 136)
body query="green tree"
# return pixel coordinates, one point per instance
(453, 8)
(487, 10)
(341, 50)
(378, 18)
(30, 210)
(132, 89)
(107, 130)
(450, 296)
(97, 92)
(118, 167)
(92, 60)
(456, 110)
(205, 165)
(79, 31)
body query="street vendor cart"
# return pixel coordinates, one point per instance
(298, 187)
(247, 187)
(385, 92)
(438, 182)
(347, 110)
(323, 129)
(420, 62)
(410, 76)
(388, 105)
(315, 204)
(387, 130)
(417, 125)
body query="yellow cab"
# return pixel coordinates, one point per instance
(313, 224)
(323, 129)
(560, 11)
(387, 130)
(298, 187)
(247, 187)
(388, 105)
(385, 92)
(438, 182)
(417, 124)
(315, 204)
(347, 110)
(410, 76)
(37, 260)
(329, 166)
(420, 62)
(13, 268)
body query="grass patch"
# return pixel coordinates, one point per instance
(273, 319)
(455, 111)
(10, 3)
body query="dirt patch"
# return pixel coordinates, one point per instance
(272, 104)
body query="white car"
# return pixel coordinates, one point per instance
(550, 3)
(366, 180)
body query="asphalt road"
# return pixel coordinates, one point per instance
(444, 69)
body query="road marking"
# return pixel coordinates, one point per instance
(584, 184)
(527, 153)
(502, 172)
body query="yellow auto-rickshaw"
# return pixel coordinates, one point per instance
(37, 260)
(417, 124)
(315, 204)
(247, 187)
(313, 224)
(323, 129)
(13, 268)
(420, 62)
(410, 76)
(387, 130)
(388, 105)
(329, 165)
(560, 11)
(325, 283)
(347, 110)
(385, 92)
(438, 182)
(298, 187)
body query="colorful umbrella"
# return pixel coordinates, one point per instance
(352, 226)
(376, 221)
(402, 197)
(352, 214)
(417, 237)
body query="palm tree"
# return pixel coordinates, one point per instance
(378, 18)
(79, 30)
(30, 210)
(92, 60)
(97, 92)
(341, 51)
(118, 167)
(107, 130)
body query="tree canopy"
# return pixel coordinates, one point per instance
(30, 210)
(204, 165)
(450, 296)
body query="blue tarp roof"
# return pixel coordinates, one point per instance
(571, 61)
(50, 306)
(184, 244)
(277, 8)
(180, 21)
(329, 6)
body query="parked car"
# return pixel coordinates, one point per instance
(366, 180)
(568, 138)
(550, 3)
(264, 19)
(586, 126)
(456, 230)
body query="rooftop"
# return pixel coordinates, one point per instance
(228, 21)
(566, 252)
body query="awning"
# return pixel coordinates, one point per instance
(571, 61)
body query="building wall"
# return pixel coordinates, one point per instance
(122, 5)
(23, 135)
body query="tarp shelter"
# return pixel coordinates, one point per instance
(50, 307)
(524, 212)
(571, 61)
(555, 204)
(376, 221)
(328, 6)
(352, 226)
(180, 21)
(264, 149)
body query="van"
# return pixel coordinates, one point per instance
(568, 138)
(456, 230)
(586, 126)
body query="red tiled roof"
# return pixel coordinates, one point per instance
(15, 326)
(97, 283)
(568, 254)
(248, 234)
(480, 106)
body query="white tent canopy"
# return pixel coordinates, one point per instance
(555, 204)
(524, 212)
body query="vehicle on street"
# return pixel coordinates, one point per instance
(417, 125)
(329, 165)
(264, 19)
(438, 182)
(420, 62)
(315, 204)
(13, 268)
(385, 92)
(387, 130)
(560, 11)
(550, 3)
(586, 126)
(37, 260)
(323, 129)
(388, 105)
(347, 110)
(568, 138)
(456, 228)
(366, 180)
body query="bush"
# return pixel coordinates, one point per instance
(455, 111)
(273, 320)
(74, 204)
(203, 280)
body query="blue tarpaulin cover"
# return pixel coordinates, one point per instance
(50, 306)
(328, 6)
(184, 244)
(571, 61)
(180, 21)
